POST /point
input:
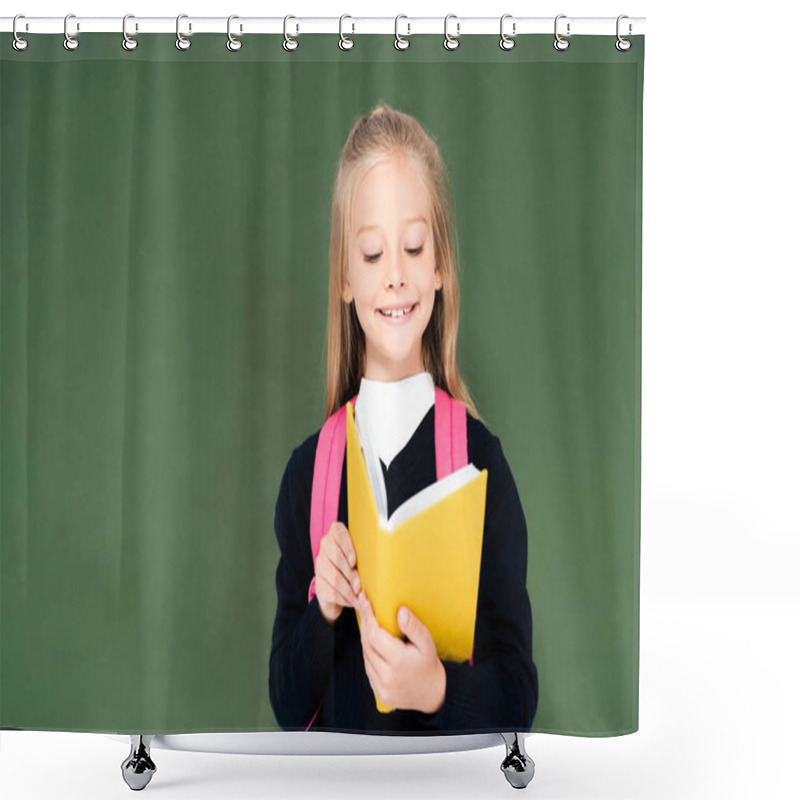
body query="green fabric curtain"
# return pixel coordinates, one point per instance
(165, 228)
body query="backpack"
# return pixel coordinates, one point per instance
(450, 426)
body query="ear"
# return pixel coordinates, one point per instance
(347, 292)
(437, 279)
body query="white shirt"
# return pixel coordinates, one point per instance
(394, 410)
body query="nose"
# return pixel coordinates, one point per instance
(395, 272)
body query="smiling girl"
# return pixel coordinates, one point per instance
(392, 329)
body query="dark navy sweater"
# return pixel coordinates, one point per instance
(313, 661)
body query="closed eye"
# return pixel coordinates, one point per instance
(371, 259)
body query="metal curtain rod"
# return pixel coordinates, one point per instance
(297, 26)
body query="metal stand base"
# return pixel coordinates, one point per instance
(517, 766)
(138, 768)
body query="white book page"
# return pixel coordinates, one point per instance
(431, 494)
(374, 471)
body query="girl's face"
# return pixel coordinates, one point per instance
(391, 268)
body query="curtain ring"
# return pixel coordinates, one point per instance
(70, 42)
(234, 43)
(400, 42)
(561, 43)
(19, 43)
(506, 42)
(451, 42)
(289, 42)
(621, 43)
(182, 43)
(344, 42)
(128, 42)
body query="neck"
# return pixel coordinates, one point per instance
(392, 372)
(392, 377)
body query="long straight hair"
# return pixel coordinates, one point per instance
(378, 137)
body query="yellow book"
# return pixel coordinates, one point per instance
(426, 556)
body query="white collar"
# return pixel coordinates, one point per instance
(394, 410)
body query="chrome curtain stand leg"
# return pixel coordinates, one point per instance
(138, 768)
(517, 766)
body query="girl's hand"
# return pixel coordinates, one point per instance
(402, 675)
(336, 581)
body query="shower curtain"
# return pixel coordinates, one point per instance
(166, 222)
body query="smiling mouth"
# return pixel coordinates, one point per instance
(398, 313)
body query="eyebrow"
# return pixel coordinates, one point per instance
(408, 222)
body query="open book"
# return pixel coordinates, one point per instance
(426, 556)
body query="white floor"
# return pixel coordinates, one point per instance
(719, 703)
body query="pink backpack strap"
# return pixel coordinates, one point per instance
(327, 482)
(325, 488)
(451, 434)
(451, 440)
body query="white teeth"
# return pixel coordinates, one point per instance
(399, 312)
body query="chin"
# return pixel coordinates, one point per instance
(396, 358)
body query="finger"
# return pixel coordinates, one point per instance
(343, 581)
(367, 623)
(344, 586)
(342, 536)
(386, 646)
(336, 556)
(381, 642)
(329, 592)
(374, 665)
(413, 628)
(372, 675)
(371, 659)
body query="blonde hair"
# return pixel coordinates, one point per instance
(378, 137)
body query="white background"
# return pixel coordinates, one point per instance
(719, 693)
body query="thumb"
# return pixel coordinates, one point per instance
(411, 626)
